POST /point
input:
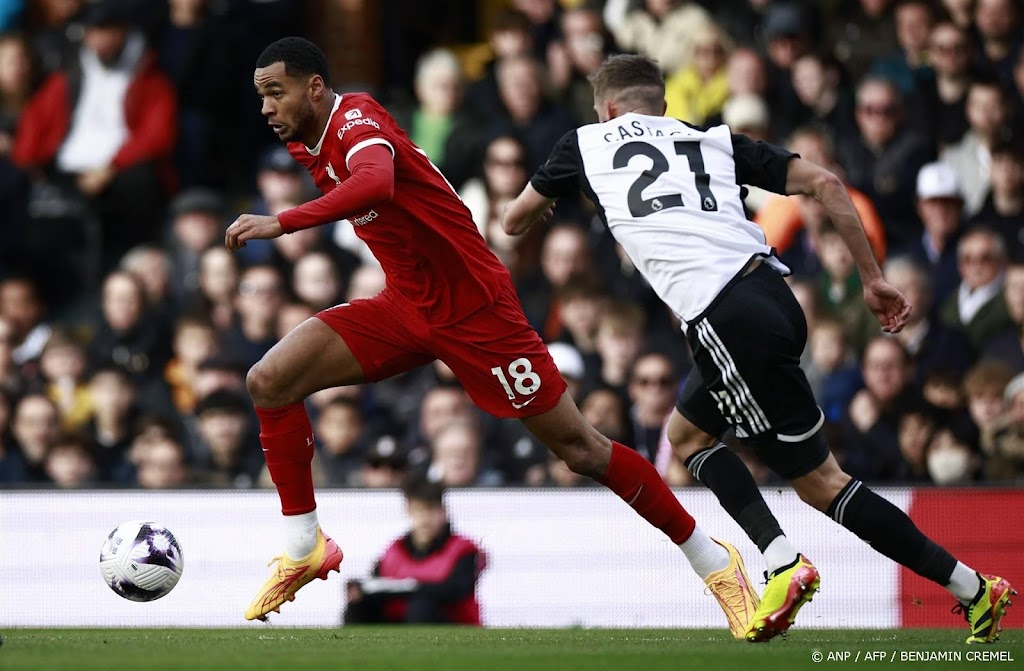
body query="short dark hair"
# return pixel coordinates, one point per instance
(629, 76)
(418, 488)
(301, 58)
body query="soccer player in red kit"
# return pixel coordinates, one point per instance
(447, 297)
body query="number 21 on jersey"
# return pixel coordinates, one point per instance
(642, 207)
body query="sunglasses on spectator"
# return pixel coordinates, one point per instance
(984, 257)
(652, 381)
(505, 162)
(949, 47)
(878, 110)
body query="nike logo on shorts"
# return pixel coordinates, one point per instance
(525, 403)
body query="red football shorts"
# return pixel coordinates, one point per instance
(500, 360)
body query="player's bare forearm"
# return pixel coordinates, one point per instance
(809, 179)
(529, 208)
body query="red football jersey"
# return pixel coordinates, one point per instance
(425, 239)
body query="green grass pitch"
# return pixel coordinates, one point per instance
(459, 649)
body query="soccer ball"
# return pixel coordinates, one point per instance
(141, 561)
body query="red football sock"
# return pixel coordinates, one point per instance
(637, 482)
(287, 439)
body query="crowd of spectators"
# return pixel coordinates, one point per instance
(130, 139)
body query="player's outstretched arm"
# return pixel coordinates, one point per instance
(527, 209)
(809, 179)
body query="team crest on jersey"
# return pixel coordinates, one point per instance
(656, 205)
(333, 175)
(353, 114)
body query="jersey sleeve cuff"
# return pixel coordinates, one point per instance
(363, 144)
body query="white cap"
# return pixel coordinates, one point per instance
(938, 180)
(745, 111)
(1014, 387)
(568, 360)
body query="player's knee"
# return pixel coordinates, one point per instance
(686, 439)
(586, 456)
(262, 387)
(820, 487)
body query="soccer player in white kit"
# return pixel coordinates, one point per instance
(671, 196)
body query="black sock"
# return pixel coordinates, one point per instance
(888, 530)
(723, 473)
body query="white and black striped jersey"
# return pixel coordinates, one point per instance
(670, 194)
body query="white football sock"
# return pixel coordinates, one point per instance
(705, 555)
(301, 534)
(780, 552)
(964, 583)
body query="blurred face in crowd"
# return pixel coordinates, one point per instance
(709, 54)
(913, 24)
(260, 293)
(162, 465)
(619, 343)
(746, 73)
(63, 361)
(915, 433)
(828, 346)
(584, 38)
(112, 394)
(1007, 174)
(986, 111)
(1013, 291)
(874, 7)
(223, 430)
(439, 86)
(878, 112)
(290, 316)
(277, 186)
(339, 427)
(366, 282)
(602, 408)
(442, 406)
(218, 275)
(949, 51)
(152, 268)
(996, 19)
(980, 259)
(428, 520)
(296, 245)
(507, 43)
(564, 253)
(194, 343)
(519, 85)
(196, 231)
(835, 256)
(15, 67)
(652, 386)
(123, 301)
(7, 342)
(911, 283)
(940, 216)
(69, 465)
(885, 369)
(813, 147)
(20, 306)
(505, 167)
(456, 454)
(35, 426)
(810, 79)
(107, 42)
(316, 280)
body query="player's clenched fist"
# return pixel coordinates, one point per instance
(251, 227)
